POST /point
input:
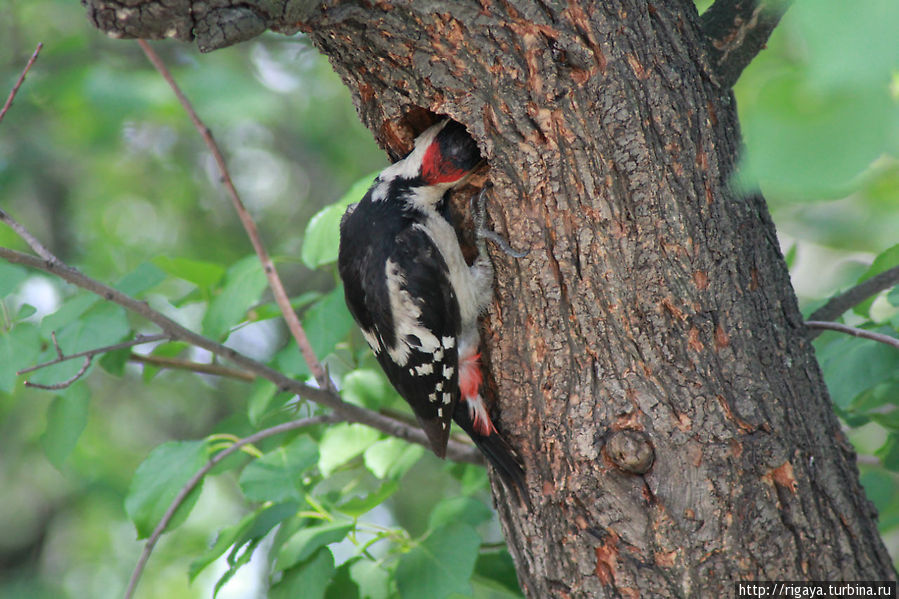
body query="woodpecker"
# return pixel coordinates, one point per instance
(416, 299)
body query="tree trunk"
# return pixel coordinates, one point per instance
(653, 317)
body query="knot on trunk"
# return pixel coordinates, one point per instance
(630, 450)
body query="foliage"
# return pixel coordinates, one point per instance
(99, 161)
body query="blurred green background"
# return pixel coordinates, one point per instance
(100, 162)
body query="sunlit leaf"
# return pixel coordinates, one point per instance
(392, 458)
(343, 442)
(309, 540)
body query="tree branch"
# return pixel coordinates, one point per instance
(838, 304)
(60, 357)
(274, 281)
(854, 331)
(351, 413)
(198, 476)
(737, 30)
(198, 367)
(36, 246)
(15, 88)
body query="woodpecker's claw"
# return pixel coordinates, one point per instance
(479, 210)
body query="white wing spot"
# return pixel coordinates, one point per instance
(448, 371)
(432, 397)
(424, 369)
(440, 412)
(447, 398)
(439, 386)
(438, 355)
(448, 342)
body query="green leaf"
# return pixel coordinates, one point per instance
(343, 442)
(66, 419)
(102, 324)
(459, 509)
(19, 348)
(322, 237)
(25, 310)
(441, 565)
(309, 540)
(244, 284)
(143, 278)
(260, 398)
(889, 452)
(373, 579)
(498, 567)
(851, 366)
(204, 275)
(308, 580)
(328, 322)
(70, 310)
(365, 387)
(358, 506)
(252, 527)
(790, 256)
(11, 276)
(342, 584)
(157, 482)
(893, 296)
(278, 475)
(392, 458)
(884, 261)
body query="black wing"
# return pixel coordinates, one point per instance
(397, 288)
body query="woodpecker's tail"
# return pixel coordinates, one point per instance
(497, 451)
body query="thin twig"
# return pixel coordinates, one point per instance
(173, 364)
(27, 237)
(139, 340)
(854, 331)
(458, 452)
(15, 88)
(274, 281)
(838, 304)
(198, 476)
(65, 383)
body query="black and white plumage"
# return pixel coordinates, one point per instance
(416, 299)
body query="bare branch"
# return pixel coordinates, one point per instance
(173, 364)
(854, 331)
(838, 304)
(65, 383)
(139, 340)
(195, 480)
(30, 239)
(737, 30)
(15, 88)
(274, 281)
(456, 451)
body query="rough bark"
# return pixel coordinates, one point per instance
(648, 355)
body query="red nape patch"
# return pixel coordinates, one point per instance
(436, 169)
(470, 376)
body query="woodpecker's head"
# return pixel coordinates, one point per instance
(450, 153)
(443, 157)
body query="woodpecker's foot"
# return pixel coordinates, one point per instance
(479, 212)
